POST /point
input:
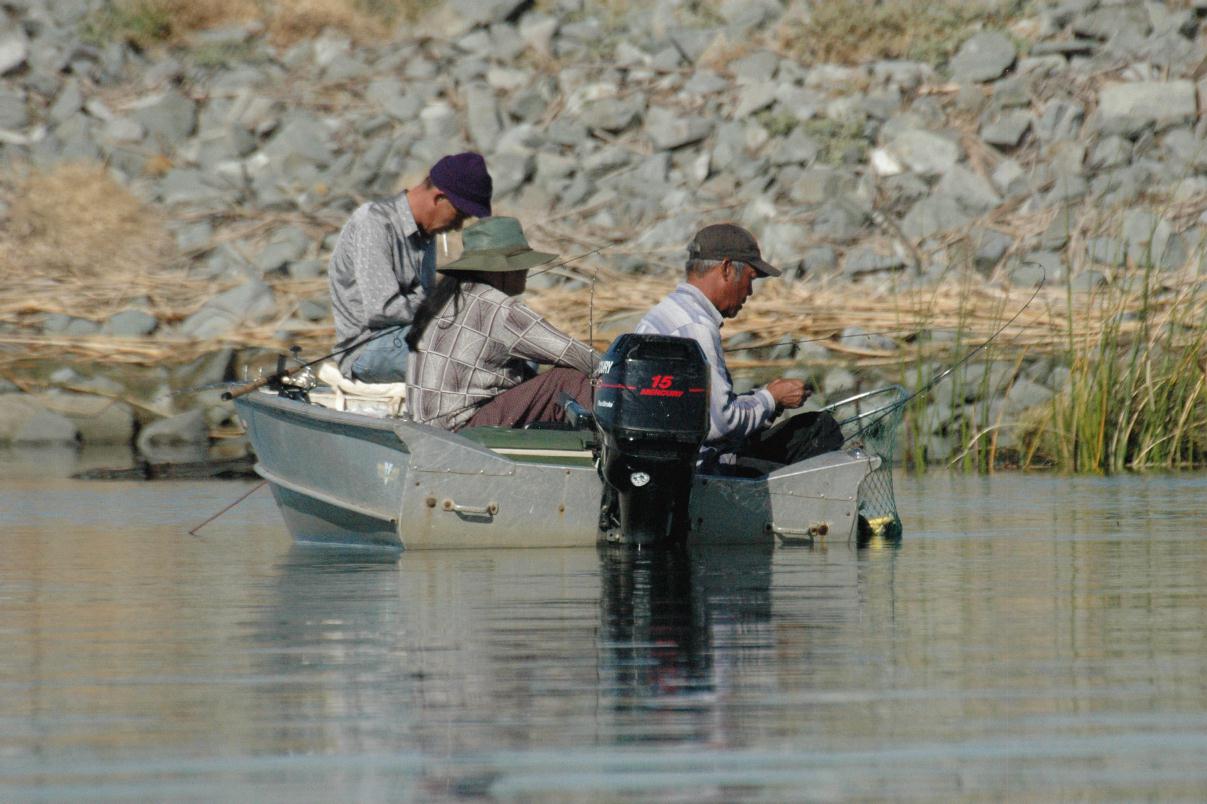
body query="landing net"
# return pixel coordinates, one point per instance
(869, 421)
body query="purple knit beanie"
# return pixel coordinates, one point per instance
(463, 178)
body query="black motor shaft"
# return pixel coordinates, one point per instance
(651, 408)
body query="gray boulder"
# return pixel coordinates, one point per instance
(669, 129)
(1110, 152)
(36, 427)
(934, 214)
(130, 324)
(798, 148)
(1033, 267)
(983, 57)
(973, 192)
(388, 96)
(67, 103)
(784, 245)
(14, 113)
(988, 248)
(1105, 251)
(251, 302)
(25, 420)
(168, 118)
(1056, 236)
(486, 12)
(285, 245)
(613, 115)
(510, 170)
(482, 116)
(303, 139)
(96, 419)
(193, 188)
(839, 220)
(14, 50)
(1006, 131)
(162, 439)
(1112, 21)
(1065, 188)
(863, 260)
(822, 259)
(1140, 103)
(924, 152)
(1060, 120)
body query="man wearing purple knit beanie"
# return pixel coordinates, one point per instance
(384, 264)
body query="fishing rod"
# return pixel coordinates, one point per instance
(281, 373)
(938, 378)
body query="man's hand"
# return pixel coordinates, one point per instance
(789, 393)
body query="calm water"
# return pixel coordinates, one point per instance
(1032, 638)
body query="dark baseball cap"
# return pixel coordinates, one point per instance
(464, 179)
(721, 240)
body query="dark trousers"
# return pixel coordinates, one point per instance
(802, 436)
(535, 400)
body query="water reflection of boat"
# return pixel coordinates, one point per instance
(671, 616)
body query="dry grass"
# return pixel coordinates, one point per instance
(146, 23)
(76, 221)
(857, 31)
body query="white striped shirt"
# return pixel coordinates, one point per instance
(687, 313)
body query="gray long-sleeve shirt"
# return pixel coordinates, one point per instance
(380, 271)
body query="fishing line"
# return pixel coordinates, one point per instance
(570, 260)
(938, 378)
(254, 489)
(839, 336)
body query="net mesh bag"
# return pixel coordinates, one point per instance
(869, 421)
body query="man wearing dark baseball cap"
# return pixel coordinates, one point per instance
(723, 261)
(384, 263)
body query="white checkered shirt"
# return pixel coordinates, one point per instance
(468, 358)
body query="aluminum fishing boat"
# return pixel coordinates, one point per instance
(621, 473)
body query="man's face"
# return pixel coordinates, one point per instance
(739, 285)
(445, 216)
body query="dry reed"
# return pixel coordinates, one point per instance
(77, 222)
(148, 22)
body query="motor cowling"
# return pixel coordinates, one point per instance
(651, 410)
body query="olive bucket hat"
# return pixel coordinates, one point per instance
(496, 244)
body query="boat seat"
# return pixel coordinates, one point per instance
(563, 445)
(371, 399)
(549, 426)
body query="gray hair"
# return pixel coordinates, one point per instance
(697, 267)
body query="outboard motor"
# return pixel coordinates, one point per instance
(651, 409)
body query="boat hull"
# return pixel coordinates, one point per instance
(350, 479)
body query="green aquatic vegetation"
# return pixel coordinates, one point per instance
(141, 23)
(1136, 397)
(859, 31)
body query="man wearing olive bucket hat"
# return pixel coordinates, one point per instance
(472, 339)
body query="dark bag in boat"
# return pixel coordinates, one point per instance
(795, 439)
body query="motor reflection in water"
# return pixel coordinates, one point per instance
(677, 621)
